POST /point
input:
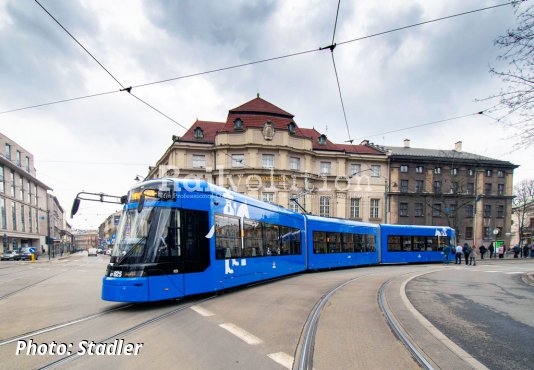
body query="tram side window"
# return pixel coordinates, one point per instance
(348, 243)
(227, 237)
(271, 239)
(253, 239)
(170, 238)
(419, 244)
(435, 244)
(371, 243)
(333, 242)
(406, 243)
(295, 241)
(319, 242)
(394, 243)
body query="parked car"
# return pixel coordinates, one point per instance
(10, 255)
(108, 252)
(92, 252)
(25, 254)
(99, 250)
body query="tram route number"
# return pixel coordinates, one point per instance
(116, 274)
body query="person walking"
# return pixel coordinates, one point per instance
(482, 251)
(516, 251)
(446, 254)
(467, 251)
(473, 256)
(532, 251)
(458, 254)
(500, 251)
(525, 251)
(491, 250)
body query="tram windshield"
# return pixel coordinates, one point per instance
(148, 236)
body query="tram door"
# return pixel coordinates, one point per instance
(195, 249)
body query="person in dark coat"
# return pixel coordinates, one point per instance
(467, 251)
(482, 251)
(491, 250)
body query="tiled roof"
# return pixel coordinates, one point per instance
(442, 154)
(209, 130)
(313, 134)
(258, 105)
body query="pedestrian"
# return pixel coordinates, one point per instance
(458, 254)
(525, 251)
(500, 251)
(446, 253)
(482, 251)
(491, 249)
(516, 251)
(473, 256)
(467, 251)
(42, 249)
(532, 251)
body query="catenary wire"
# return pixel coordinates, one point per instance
(335, 23)
(74, 38)
(341, 97)
(258, 61)
(127, 89)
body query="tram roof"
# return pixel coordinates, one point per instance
(333, 220)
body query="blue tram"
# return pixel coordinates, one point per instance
(181, 237)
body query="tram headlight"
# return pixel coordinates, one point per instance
(134, 273)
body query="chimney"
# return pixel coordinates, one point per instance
(458, 146)
(406, 143)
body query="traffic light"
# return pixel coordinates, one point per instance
(5, 240)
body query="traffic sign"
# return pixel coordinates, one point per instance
(32, 250)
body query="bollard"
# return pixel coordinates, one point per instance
(33, 257)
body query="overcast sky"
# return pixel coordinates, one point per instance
(390, 82)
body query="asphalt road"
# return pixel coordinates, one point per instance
(261, 327)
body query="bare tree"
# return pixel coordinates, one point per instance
(523, 203)
(516, 100)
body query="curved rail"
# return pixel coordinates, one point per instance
(397, 329)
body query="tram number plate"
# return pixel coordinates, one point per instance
(116, 274)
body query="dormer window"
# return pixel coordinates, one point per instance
(322, 139)
(199, 133)
(292, 128)
(238, 124)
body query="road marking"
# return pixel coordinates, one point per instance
(514, 273)
(282, 359)
(202, 311)
(241, 333)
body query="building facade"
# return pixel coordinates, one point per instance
(471, 193)
(85, 239)
(260, 151)
(23, 199)
(108, 229)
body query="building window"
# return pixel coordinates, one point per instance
(419, 169)
(238, 124)
(489, 173)
(21, 188)
(294, 163)
(29, 192)
(293, 205)
(19, 161)
(22, 221)
(268, 197)
(198, 133)
(2, 182)
(437, 187)
(3, 213)
(13, 184)
(470, 188)
(373, 211)
(324, 206)
(487, 232)
(500, 189)
(437, 170)
(404, 186)
(487, 211)
(36, 222)
(14, 215)
(469, 210)
(355, 169)
(375, 171)
(452, 210)
(238, 160)
(354, 208)
(500, 211)
(470, 172)
(436, 210)
(8, 151)
(469, 232)
(500, 173)
(35, 192)
(419, 186)
(27, 164)
(267, 160)
(292, 128)
(30, 221)
(325, 168)
(487, 188)
(403, 209)
(454, 171)
(418, 210)
(403, 168)
(199, 161)
(454, 187)
(322, 139)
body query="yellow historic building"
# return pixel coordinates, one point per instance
(261, 151)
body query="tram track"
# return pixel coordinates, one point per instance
(123, 333)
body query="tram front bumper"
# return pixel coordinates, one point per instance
(125, 289)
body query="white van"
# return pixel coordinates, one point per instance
(91, 252)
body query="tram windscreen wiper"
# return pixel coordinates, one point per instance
(129, 251)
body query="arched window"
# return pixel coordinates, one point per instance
(238, 124)
(199, 133)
